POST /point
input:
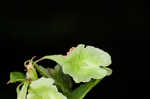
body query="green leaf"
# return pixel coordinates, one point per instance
(43, 71)
(17, 77)
(83, 63)
(62, 81)
(21, 94)
(44, 88)
(82, 90)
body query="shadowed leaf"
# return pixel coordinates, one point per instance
(82, 90)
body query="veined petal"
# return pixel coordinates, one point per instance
(43, 88)
(83, 63)
(21, 94)
(97, 56)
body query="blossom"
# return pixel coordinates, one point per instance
(44, 88)
(84, 63)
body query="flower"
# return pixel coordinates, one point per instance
(43, 88)
(21, 94)
(84, 63)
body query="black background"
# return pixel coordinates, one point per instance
(38, 28)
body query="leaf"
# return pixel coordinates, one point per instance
(17, 77)
(21, 94)
(83, 63)
(62, 80)
(43, 71)
(44, 88)
(82, 90)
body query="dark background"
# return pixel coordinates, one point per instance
(38, 28)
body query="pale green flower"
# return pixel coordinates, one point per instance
(21, 94)
(84, 63)
(43, 88)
